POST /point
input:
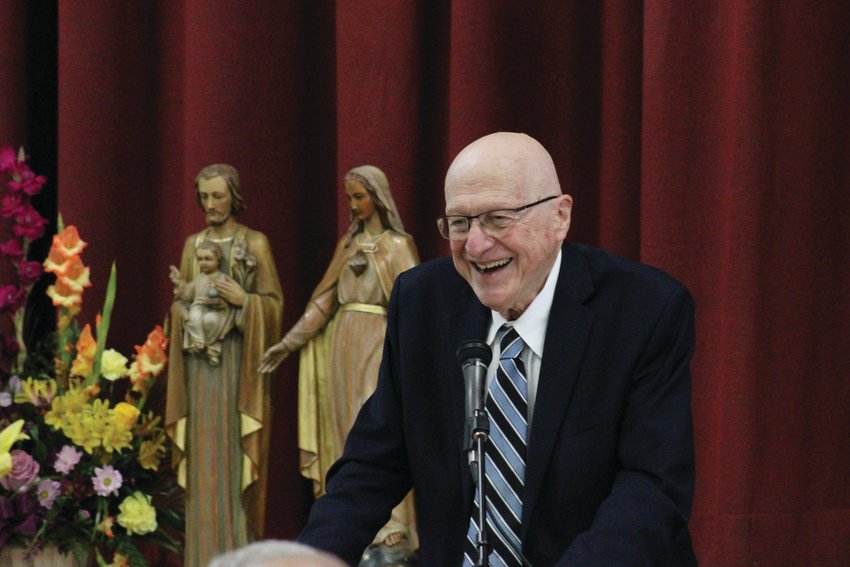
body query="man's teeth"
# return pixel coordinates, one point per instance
(489, 267)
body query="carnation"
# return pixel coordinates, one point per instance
(113, 365)
(138, 516)
(24, 470)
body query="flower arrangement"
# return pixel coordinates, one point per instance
(87, 471)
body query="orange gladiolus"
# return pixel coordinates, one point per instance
(76, 275)
(64, 295)
(86, 347)
(68, 242)
(151, 356)
(56, 263)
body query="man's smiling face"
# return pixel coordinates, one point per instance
(506, 272)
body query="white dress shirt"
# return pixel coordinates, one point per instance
(531, 327)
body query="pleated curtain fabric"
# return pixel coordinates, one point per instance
(507, 405)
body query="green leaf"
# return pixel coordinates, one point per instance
(103, 327)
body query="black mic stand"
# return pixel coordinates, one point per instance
(474, 357)
(478, 428)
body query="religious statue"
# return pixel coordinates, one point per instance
(341, 335)
(227, 311)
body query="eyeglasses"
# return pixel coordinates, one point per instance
(495, 223)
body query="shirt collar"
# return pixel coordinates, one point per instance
(531, 325)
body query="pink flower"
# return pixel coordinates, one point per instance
(28, 272)
(11, 298)
(47, 491)
(12, 248)
(12, 204)
(24, 470)
(29, 223)
(28, 182)
(106, 480)
(8, 158)
(67, 459)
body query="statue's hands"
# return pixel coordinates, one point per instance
(174, 275)
(273, 357)
(231, 291)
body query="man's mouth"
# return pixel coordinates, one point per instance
(491, 266)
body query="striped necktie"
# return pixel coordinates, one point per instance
(507, 404)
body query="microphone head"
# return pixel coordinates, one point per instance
(472, 350)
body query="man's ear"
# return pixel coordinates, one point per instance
(564, 215)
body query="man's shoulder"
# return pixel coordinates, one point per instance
(608, 269)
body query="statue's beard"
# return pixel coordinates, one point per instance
(215, 218)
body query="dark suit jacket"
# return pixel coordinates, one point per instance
(610, 465)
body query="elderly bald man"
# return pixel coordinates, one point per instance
(276, 553)
(590, 457)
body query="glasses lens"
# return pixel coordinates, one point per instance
(496, 222)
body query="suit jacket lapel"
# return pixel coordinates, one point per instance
(566, 336)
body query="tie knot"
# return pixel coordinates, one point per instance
(510, 344)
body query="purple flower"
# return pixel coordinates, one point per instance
(67, 459)
(24, 470)
(12, 248)
(106, 480)
(29, 182)
(11, 297)
(29, 224)
(12, 204)
(28, 272)
(8, 159)
(5, 399)
(47, 491)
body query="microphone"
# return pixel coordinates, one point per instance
(474, 356)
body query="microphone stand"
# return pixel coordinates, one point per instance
(479, 433)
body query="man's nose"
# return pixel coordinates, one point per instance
(477, 241)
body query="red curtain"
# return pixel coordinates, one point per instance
(707, 138)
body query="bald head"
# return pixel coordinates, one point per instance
(509, 218)
(507, 157)
(274, 553)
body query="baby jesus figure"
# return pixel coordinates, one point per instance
(206, 316)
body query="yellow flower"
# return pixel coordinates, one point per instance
(151, 452)
(116, 438)
(8, 437)
(36, 392)
(113, 365)
(137, 514)
(81, 432)
(126, 414)
(63, 407)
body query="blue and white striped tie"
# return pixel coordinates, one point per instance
(507, 404)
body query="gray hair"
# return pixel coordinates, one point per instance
(262, 554)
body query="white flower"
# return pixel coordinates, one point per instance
(113, 365)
